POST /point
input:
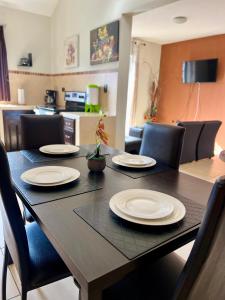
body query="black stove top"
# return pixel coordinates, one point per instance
(53, 108)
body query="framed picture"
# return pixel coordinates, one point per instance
(71, 46)
(104, 44)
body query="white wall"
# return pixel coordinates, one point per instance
(80, 17)
(149, 65)
(24, 33)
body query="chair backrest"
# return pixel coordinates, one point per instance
(13, 226)
(191, 137)
(163, 142)
(203, 276)
(37, 131)
(206, 142)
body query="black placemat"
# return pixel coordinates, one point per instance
(131, 239)
(35, 156)
(37, 195)
(137, 172)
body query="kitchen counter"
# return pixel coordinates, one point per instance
(76, 115)
(10, 107)
(15, 107)
(85, 126)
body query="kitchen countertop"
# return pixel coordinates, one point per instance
(78, 115)
(15, 107)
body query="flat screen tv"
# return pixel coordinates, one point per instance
(199, 70)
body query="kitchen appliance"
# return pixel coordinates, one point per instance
(75, 101)
(50, 97)
(92, 98)
(48, 109)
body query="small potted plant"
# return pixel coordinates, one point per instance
(96, 160)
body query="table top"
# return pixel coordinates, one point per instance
(93, 261)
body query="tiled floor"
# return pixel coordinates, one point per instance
(207, 169)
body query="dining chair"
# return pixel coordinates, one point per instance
(41, 130)
(37, 131)
(36, 261)
(163, 142)
(203, 275)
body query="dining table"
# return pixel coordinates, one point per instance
(98, 247)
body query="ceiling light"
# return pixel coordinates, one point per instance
(180, 19)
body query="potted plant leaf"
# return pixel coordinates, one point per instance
(96, 160)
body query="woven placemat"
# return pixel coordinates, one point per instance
(131, 239)
(35, 156)
(137, 172)
(38, 195)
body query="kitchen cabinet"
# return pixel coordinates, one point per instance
(12, 128)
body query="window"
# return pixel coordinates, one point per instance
(4, 73)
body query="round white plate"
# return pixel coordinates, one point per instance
(58, 149)
(144, 204)
(50, 175)
(126, 160)
(176, 216)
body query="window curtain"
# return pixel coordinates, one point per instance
(132, 85)
(4, 73)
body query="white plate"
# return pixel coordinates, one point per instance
(126, 160)
(136, 160)
(144, 204)
(50, 175)
(58, 149)
(176, 216)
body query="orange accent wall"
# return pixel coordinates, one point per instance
(178, 101)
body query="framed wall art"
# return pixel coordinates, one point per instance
(71, 48)
(104, 44)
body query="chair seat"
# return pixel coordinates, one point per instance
(156, 281)
(46, 266)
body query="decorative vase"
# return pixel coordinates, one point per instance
(97, 164)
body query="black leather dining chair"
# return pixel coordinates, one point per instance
(203, 275)
(163, 142)
(192, 133)
(36, 261)
(37, 131)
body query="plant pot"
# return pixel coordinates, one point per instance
(97, 164)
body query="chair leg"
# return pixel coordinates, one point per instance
(4, 272)
(23, 294)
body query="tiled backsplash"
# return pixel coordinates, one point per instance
(35, 85)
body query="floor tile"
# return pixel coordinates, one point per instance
(12, 290)
(60, 290)
(185, 250)
(206, 169)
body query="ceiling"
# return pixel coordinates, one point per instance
(205, 18)
(42, 7)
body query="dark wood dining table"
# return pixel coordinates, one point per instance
(94, 261)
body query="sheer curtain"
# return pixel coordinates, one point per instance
(132, 85)
(4, 74)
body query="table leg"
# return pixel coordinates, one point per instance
(91, 295)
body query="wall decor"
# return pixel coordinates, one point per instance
(71, 46)
(104, 44)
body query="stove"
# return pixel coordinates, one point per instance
(49, 109)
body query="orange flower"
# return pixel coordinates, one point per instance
(100, 132)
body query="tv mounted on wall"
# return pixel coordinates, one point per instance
(199, 70)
